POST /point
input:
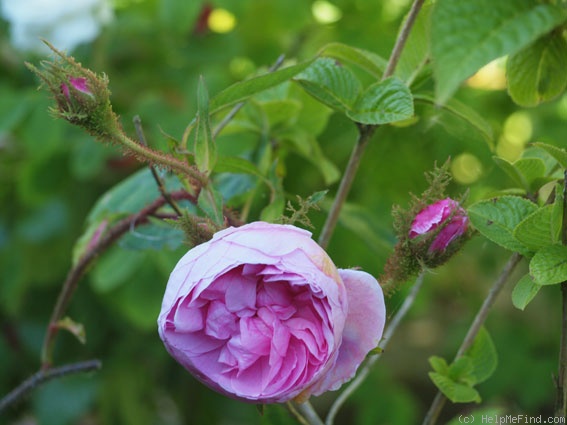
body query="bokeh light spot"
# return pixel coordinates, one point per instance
(325, 12)
(466, 168)
(516, 132)
(221, 21)
(492, 76)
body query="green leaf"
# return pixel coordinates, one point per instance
(368, 61)
(281, 113)
(210, 202)
(274, 210)
(330, 83)
(462, 111)
(512, 171)
(115, 268)
(497, 218)
(466, 35)
(235, 164)
(156, 235)
(244, 89)
(454, 391)
(524, 291)
(461, 371)
(536, 73)
(525, 171)
(439, 365)
(381, 103)
(416, 50)
(559, 154)
(549, 265)
(535, 231)
(205, 149)
(557, 212)
(131, 195)
(483, 356)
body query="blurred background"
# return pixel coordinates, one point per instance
(153, 52)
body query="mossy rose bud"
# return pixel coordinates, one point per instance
(441, 223)
(260, 313)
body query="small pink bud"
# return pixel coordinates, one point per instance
(80, 84)
(446, 213)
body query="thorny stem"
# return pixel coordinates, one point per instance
(79, 269)
(159, 158)
(240, 105)
(159, 181)
(439, 399)
(561, 382)
(365, 134)
(43, 376)
(365, 370)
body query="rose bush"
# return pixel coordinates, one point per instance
(445, 215)
(261, 313)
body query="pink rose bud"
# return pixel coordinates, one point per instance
(260, 313)
(446, 218)
(78, 83)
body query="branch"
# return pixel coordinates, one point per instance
(439, 400)
(43, 376)
(365, 370)
(365, 134)
(79, 269)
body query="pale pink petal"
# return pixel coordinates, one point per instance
(363, 328)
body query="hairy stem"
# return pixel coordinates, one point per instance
(365, 370)
(365, 134)
(42, 376)
(439, 399)
(79, 269)
(159, 181)
(158, 158)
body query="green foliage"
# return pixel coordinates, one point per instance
(467, 35)
(524, 291)
(205, 149)
(457, 380)
(382, 103)
(534, 73)
(497, 218)
(549, 265)
(366, 60)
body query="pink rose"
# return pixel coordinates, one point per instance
(260, 313)
(446, 213)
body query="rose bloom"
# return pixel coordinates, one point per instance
(260, 313)
(64, 23)
(437, 214)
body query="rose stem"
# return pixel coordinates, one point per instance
(160, 184)
(43, 376)
(439, 399)
(305, 413)
(561, 402)
(78, 270)
(365, 133)
(365, 370)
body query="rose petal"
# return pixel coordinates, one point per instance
(363, 328)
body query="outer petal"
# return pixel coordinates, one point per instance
(363, 328)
